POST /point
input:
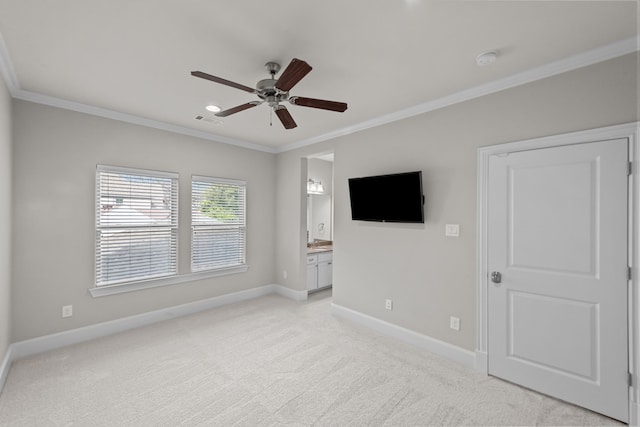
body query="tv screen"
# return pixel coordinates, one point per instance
(387, 198)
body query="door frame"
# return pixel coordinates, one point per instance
(628, 130)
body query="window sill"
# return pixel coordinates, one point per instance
(101, 291)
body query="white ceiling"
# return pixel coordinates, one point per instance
(386, 58)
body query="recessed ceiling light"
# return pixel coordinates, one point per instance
(212, 108)
(486, 58)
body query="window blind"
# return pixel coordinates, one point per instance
(218, 227)
(136, 225)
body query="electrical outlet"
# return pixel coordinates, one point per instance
(388, 304)
(454, 323)
(284, 274)
(67, 310)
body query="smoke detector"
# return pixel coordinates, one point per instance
(487, 58)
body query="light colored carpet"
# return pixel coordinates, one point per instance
(265, 362)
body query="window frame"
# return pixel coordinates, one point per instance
(141, 281)
(240, 264)
(179, 277)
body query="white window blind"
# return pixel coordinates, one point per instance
(136, 225)
(218, 228)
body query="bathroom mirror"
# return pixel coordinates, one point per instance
(319, 217)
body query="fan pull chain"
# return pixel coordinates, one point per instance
(271, 117)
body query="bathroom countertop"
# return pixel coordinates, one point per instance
(318, 249)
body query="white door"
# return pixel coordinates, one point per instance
(557, 236)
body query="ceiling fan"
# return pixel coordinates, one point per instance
(273, 92)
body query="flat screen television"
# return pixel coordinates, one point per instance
(387, 198)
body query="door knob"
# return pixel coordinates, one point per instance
(496, 277)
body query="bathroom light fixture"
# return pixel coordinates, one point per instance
(314, 187)
(486, 58)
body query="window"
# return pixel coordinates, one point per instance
(217, 223)
(136, 225)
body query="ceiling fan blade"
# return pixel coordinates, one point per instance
(318, 103)
(237, 109)
(294, 72)
(222, 81)
(285, 117)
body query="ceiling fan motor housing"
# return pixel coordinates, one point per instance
(266, 90)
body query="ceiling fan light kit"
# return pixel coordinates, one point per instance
(274, 91)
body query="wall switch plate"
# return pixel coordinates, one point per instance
(67, 310)
(388, 304)
(452, 230)
(284, 274)
(454, 323)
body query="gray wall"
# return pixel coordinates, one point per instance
(5, 219)
(55, 156)
(429, 276)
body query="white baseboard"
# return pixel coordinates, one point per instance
(449, 351)
(634, 412)
(74, 336)
(4, 368)
(291, 294)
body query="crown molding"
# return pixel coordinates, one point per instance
(9, 76)
(130, 118)
(593, 56)
(6, 69)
